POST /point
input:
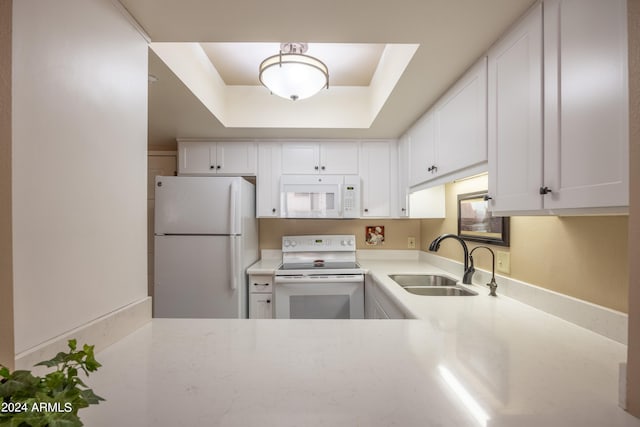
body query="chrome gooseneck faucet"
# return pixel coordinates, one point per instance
(468, 270)
(492, 285)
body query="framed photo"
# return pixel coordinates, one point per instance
(476, 223)
(374, 235)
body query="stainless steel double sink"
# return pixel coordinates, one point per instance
(430, 285)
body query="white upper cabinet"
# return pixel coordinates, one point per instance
(421, 150)
(375, 173)
(460, 122)
(237, 158)
(586, 104)
(336, 158)
(515, 116)
(268, 180)
(403, 176)
(452, 136)
(558, 110)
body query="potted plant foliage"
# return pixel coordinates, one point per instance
(53, 400)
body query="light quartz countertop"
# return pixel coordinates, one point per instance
(464, 361)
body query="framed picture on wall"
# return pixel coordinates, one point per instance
(476, 223)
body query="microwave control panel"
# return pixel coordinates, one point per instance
(351, 197)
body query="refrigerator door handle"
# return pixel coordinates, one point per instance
(233, 207)
(233, 264)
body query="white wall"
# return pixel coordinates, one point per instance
(79, 165)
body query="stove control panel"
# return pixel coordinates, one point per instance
(319, 243)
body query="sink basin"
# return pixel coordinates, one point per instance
(430, 284)
(439, 291)
(422, 280)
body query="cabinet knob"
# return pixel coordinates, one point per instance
(218, 167)
(316, 168)
(268, 301)
(403, 209)
(432, 169)
(487, 197)
(366, 210)
(545, 190)
(273, 210)
(212, 167)
(323, 168)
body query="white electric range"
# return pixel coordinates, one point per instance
(319, 279)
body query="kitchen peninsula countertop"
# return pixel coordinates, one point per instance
(465, 361)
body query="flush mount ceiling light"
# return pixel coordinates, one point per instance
(293, 75)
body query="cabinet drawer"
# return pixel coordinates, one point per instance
(260, 306)
(260, 284)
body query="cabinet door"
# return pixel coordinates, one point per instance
(268, 180)
(196, 158)
(339, 158)
(515, 117)
(375, 171)
(236, 158)
(421, 150)
(460, 120)
(300, 158)
(586, 103)
(260, 306)
(403, 176)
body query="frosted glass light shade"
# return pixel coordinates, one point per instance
(294, 75)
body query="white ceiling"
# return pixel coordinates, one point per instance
(349, 64)
(452, 34)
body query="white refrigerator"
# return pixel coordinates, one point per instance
(206, 235)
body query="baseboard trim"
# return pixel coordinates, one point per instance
(100, 332)
(601, 320)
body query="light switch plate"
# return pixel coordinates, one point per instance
(503, 262)
(411, 242)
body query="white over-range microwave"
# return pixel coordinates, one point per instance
(320, 196)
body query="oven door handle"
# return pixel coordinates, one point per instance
(347, 278)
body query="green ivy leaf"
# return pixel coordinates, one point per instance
(90, 397)
(58, 359)
(63, 419)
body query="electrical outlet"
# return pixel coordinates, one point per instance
(411, 243)
(503, 262)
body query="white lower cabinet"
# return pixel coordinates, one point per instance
(261, 297)
(377, 304)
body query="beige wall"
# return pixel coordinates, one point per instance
(396, 231)
(6, 271)
(584, 257)
(633, 367)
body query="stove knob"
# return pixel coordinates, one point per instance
(350, 242)
(343, 243)
(287, 243)
(293, 243)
